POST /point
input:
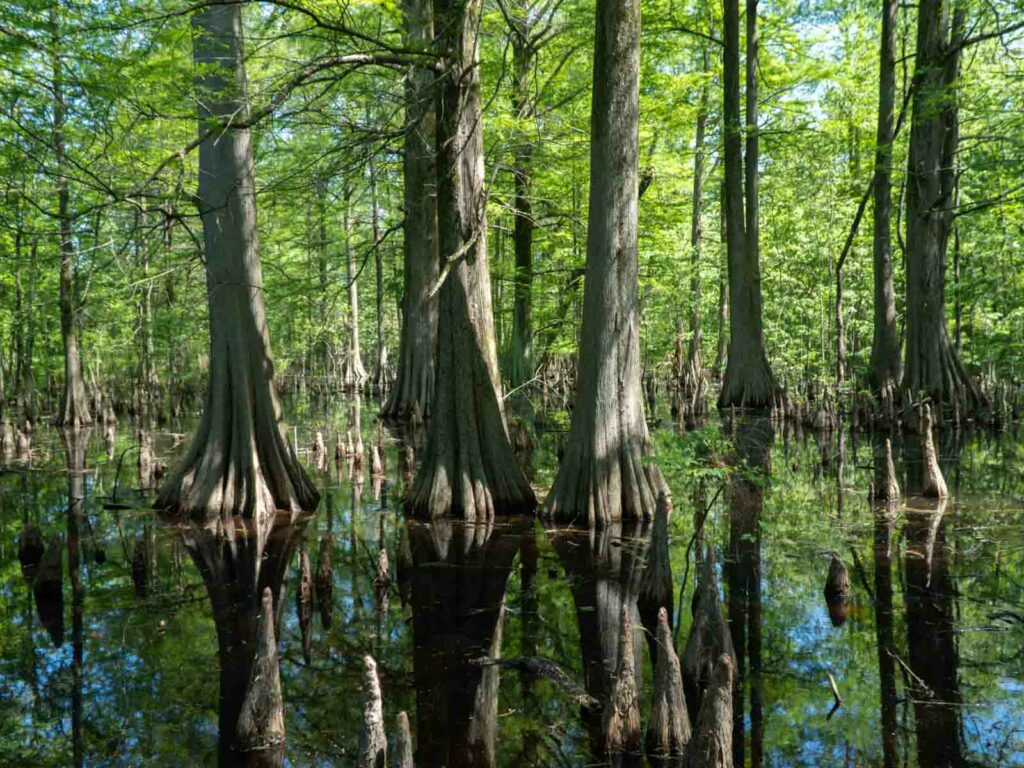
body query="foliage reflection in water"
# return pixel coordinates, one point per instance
(500, 640)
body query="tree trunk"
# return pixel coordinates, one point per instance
(602, 478)
(520, 354)
(323, 339)
(933, 367)
(468, 469)
(413, 390)
(378, 264)
(886, 368)
(748, 381)
(355, 372)
(693, 383)
(240, 461)
(74, 407)
(722, 348)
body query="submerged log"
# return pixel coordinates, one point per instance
(837, 592)
(30, 550)
(933, 485)
(711, 745)
(887, 488)
(325, 581)
(668, 730)
(709, 637)
(621, 718)
(261, 720)
(403, 742)
(373, 744)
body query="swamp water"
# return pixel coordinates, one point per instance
(109, 647)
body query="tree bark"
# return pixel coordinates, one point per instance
(603, 478)
(933, 367)
(694, 382)
(886, 367)
(240, 461)
(355, 371)
(413, 390)
(722, 347)
(468, 469)
(748, 381)
(74, 407)
(378, 264)
(520, 354)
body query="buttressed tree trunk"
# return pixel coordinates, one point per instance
(933, 367)
(74, 405)
(240, 461)
(602, 478)
(748, 380)
(414, 387)
(468, 468)
(886, 366)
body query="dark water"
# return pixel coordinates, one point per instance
(110, 647)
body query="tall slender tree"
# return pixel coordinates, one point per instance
(933, 367)
(748, 380)
(519, 368)
(468, 469)
(240, 461)
(886, 366)
(603, 477)
(694, 378)
(414, 386)
(74, 405)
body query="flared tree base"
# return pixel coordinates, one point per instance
(599, 492)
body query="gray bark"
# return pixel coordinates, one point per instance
(240, 461)
(468, 469)
(602, 478)
(355, 371)
(413, 390)
(933, 367)
(748, 380)
(886, 367)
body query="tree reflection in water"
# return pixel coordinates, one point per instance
(456, 576)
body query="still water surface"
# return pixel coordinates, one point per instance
(109, 649)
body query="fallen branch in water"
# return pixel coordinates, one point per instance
(835, 694)
(546, 669)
